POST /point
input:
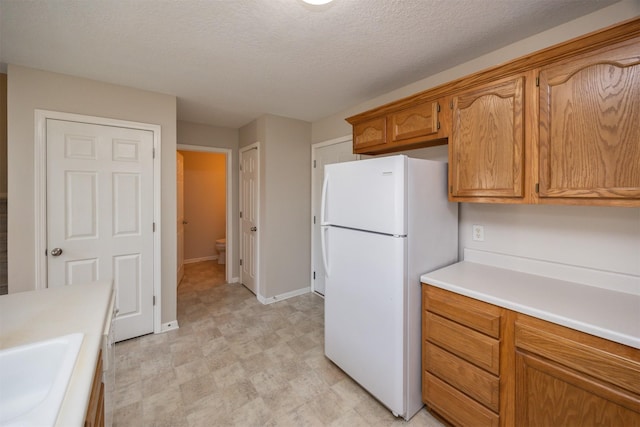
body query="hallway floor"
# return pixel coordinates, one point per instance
(236, 362)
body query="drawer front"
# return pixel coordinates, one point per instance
(455, 406)
(471, 380)
(472, 346)
(414, 122)
(470, 312)
(605, 360)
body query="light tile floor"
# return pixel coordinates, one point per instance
(236, 362)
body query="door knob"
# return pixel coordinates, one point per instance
(254, 228)
(56, 252)
(185, 222)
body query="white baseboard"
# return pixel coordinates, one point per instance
(284, 296)
(204, 258)
(235, 280)
(169, 326)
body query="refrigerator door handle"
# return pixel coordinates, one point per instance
(323, 245)
(323, 200)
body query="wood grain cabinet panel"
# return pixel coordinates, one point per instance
(372, 133)
(470, 312)
(477, 348)
(414, 123)
(486, 151)
(455, 406)
(462, 375)
(589, 126)
(566, 377)
(95, 410)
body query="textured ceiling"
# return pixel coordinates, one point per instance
(230, 61)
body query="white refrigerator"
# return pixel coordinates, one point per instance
(385, 221)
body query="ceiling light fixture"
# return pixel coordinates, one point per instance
(317, 2)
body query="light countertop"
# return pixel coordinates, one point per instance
(27, 317)
(605, 313)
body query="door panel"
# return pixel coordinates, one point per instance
(329, 154)
(249, 188)
(100, 214)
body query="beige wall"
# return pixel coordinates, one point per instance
(595, 237)
(285, 202)
(30, 89)
(204, 203)
(216, 137)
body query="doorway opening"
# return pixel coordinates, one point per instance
(205, 223)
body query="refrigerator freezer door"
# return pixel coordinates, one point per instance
(367, 195)
(364, 321)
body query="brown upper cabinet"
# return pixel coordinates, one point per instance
(561, 125)
(486, 149)
(590, 126)
(405, 127)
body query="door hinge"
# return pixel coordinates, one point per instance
(438, 126)
(240, 167)
(240, 214)
(538, 81)
(240, 262)
(537, 187)
(438, 107)
(154, 227)
(154, 300)
(314, 164)
(451, 189)
(314, 275)
(314, 219)
(451, 104)
(153, 153)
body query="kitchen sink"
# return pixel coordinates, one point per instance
(34, 379)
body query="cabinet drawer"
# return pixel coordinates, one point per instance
(477, 348)
(614, 363)
(455, 406)
(470, 312)
(473, 381)
(369, 134)
(415, 122)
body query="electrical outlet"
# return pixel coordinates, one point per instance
(477, 232)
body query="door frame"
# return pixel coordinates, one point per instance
(228, 198)
(256, 145)
(40, 191)
(314, 148)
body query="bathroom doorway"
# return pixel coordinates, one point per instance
(205, 230)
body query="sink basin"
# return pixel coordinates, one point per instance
(34, 379)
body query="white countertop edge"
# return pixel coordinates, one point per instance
(540, 314)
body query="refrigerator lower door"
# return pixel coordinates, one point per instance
(364, 311)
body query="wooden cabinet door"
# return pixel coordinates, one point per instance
(549, 394)
(414, 123)
(590, 126)
(486, 151)
(371, 133)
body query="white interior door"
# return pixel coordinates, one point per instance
(100, 215)
(249, 196)
(180, 208)
(323, 154)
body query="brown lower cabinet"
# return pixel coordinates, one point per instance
(546, 374)
(95, 409)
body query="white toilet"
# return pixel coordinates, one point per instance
(221, 247)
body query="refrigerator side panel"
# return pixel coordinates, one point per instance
(367, 195)
(432, 243)
(364, 301)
